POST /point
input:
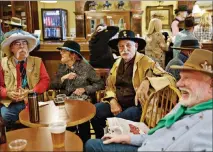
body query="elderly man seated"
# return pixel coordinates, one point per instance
(188, 127)
(132, 72)
(21, 73)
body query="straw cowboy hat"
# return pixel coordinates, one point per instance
(127, 35)
(71, 46)
(5, 45)
(200, 60)
(15, 21)
(188, 45)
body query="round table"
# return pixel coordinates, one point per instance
(39, 139)
(74, 112)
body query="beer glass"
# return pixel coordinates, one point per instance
(57, 130)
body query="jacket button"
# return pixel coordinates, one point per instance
(187, 127)
(144, 144)
(173, 138)
(201, 117)
(162, 149)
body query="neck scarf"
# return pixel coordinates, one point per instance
(169, 120)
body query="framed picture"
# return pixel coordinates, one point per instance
(165, 13)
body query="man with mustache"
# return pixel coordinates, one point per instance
(21, 74)
(188, 127)
(130, 79)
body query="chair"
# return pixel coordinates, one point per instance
(103, 74)
(159, 104)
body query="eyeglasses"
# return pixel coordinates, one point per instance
(121, 46)
(20, 43)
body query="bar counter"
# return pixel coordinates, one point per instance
(208, 45)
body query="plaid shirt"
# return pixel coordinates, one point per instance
(202, 34)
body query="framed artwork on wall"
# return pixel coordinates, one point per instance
(165, 13)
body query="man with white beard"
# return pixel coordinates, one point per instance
(188, 127)
(22, 74)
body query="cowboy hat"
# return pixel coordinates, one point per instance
(189, 22)
(181, 8)
(188, 45)
(127, 35)
(15, 21)
(200, 60)
(71, 46)
(5, 45)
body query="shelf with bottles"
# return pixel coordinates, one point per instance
(52, 33)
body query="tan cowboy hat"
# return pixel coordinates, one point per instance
(15, 21)
(5, 45)
(200, 60)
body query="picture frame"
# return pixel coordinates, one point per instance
(165, 13)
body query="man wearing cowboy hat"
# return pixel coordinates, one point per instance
(186, 34)
(188, 127)
(130, 79)
(186, 48)
(22, 74)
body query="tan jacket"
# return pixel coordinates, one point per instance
(144, 68)
(10, 74)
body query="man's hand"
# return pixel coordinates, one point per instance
(12, 94)
(115, 107)
(123, 139)
(79, 91)
(70, 76)
(142, 92)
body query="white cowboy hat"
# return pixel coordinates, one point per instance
(5, 45)
(15, 21)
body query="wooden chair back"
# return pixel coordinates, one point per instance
(103, 74)
(158, 105)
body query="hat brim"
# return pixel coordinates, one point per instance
(32, 42)
(195, 24)
(184, 48)
(114, 42)
(187, 68)
(69, 49)
(9, 23)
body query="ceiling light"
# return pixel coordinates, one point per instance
(9, 5)
(48, 1)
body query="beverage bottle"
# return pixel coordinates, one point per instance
(33, 107)
(58, 33)
(3, 138)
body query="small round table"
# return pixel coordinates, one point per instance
(39, 139)
(74, 112)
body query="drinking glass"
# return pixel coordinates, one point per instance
(57, 130)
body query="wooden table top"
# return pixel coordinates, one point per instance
(39, 139)
(74, 112)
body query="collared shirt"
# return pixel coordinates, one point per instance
(203, 34)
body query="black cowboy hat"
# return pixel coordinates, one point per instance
(188, 45)
(71, 46)
(181, 8)
(189, 22)
(127, 35)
